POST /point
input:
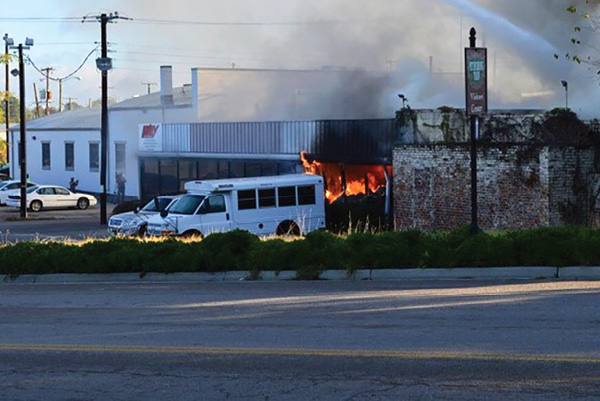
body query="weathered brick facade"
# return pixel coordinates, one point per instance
(519, 186)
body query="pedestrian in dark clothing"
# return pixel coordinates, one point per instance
(121, 187)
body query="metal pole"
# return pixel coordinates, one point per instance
(22, 147)
(7, 101)
(104, 123)
(60, 81)
(473, 118)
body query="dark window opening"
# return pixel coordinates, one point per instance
(287, 196)
(266, 197)
(46, 155)
(247, 199)
(69, 156)
(306, 195)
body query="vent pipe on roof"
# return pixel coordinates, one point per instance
(166, 85)
(195, 90)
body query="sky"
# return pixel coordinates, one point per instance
(414, 47)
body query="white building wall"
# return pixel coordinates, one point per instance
(57, 174)
(123, 127)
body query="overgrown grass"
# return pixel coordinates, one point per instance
(309, 256)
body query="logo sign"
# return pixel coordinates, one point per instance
(476, 80)
(150, 138)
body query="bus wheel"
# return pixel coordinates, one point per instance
(288, 228)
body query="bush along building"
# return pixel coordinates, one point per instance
(534, 169)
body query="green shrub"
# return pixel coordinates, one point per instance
(309, 256)
(227, 251)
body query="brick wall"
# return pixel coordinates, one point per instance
(518, 186)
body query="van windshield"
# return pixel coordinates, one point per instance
(162, 204)
(187, 204)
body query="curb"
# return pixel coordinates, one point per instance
(493, 273)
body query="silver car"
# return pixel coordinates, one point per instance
(136, 222)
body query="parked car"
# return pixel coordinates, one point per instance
(52, 197)
(136, 223)
(4, 172)
(10, 188)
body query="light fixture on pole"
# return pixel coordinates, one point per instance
(22, 148)
(565, 85)
(60, 89)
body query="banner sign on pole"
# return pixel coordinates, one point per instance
(476, 80)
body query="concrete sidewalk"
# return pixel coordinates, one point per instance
(497, 273)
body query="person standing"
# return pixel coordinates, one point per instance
(121, 187)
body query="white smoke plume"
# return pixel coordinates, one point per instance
(384, 47)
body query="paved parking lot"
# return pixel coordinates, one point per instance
(51, 224)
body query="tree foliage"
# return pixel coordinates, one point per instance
(588, 24)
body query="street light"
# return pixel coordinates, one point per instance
(22, 148)
(565, 85)
(60, 91)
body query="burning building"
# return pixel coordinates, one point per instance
(354, 157)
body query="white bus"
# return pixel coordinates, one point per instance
(282, 205)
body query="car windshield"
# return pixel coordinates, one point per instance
(151, 206)
(187, 204)
(31, 189)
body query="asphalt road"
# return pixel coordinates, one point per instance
(51, 224)
(301, 341)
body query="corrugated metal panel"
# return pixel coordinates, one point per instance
(344, 140)
(176, 137)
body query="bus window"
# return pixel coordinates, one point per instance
(287, 196)
(266, 197)
(247, 199)
(306, 195)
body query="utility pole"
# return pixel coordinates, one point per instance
(7, 99)
(149, 84)
(104, 64)
(23, 163)
(70, 102)
(47, 72)
(37, 101)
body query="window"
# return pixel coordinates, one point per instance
(253, 169)
(287, 196)
(213, 204)
(266, 197)
(120, 164)
(223, 169)
(69, 156)
(247, 199)
(61, 191)
(94, 156)
(268, 168)
(46, 191)
(168, 177)
(306, 195)
(187, 204)
(45, 155)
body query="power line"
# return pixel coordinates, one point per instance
(40, 19)
(68, 75)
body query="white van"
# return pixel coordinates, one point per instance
(285, 204)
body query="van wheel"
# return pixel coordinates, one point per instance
(36, 206)
(83, 203)
(288, 228)
(141, 231)
(192, 234)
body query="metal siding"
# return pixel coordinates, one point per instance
(336, 139)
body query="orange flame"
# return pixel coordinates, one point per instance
(358, 177)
